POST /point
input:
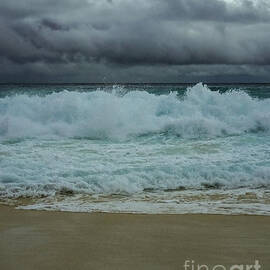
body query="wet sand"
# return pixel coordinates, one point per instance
(31, 240)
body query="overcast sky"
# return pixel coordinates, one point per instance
(134, 41)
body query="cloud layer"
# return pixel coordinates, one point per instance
(90, 40)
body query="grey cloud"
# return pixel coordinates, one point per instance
(243, 11)
(53, 25)
(134, 34)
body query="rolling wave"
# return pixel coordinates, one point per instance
(120, 115)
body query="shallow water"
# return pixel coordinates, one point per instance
(65, 146)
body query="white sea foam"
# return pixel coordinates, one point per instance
(233, 202)
(119, 142)
(102, 114)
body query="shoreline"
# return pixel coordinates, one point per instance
(243, 201)
(31, 239)
(24, 208)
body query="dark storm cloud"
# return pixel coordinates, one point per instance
(108, 36)
(53, 25)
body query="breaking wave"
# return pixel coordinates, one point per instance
(117, 115)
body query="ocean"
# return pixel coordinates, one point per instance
(153, 148)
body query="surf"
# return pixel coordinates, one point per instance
(120, 114)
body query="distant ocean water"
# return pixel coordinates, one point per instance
(136, 148)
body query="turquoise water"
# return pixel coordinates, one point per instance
(137, 148)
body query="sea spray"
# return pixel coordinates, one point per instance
(110, 115)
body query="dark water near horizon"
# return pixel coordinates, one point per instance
(259, 90)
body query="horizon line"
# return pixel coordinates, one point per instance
(129, 83)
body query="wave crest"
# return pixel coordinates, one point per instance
(98, 115)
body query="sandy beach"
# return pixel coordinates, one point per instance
(62, 240)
